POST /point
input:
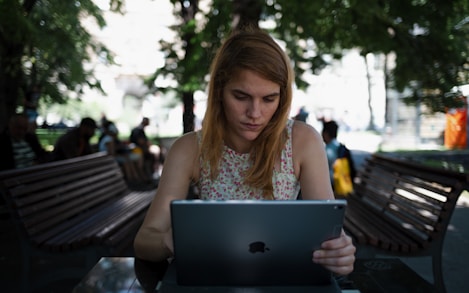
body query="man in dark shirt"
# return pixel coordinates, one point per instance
(141, 141)
(75, 142)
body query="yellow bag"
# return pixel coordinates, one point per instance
(137, 150)
(343, 184)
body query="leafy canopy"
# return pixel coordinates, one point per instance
(428, 39)
(45, 44)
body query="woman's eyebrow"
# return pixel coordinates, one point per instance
(238, 91)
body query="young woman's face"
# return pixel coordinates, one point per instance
(249, 102)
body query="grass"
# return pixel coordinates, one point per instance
(455, 160)
(48, 137)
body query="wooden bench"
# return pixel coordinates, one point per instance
(403, 208)
(78, 208)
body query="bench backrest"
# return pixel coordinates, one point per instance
(46, 195)
(418, 199)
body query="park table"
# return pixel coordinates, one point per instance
(129, 274)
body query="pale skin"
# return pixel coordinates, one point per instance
(249, 102)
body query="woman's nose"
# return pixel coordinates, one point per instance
(254, 109)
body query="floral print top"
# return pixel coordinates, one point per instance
(230, 184)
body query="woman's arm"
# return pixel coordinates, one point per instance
(310, 161)
(154, 238)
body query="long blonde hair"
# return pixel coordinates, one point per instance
(254, 50)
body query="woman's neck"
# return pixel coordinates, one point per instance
(242, 147)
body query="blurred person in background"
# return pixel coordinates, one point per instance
(302, 115)
(75, 142)
(341, 175)
(129, 162)
(143, 146)
(19, 145)
(31, 102)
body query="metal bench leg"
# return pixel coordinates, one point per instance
(438, 271)
(25, 268)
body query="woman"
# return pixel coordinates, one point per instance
(247, 144)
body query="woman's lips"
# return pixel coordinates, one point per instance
(251, 126)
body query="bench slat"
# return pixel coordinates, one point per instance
(403, 208)
(65, 193)
(80, 209)
(381, 233)
(73, 203)
(84, 231)
(42, 172)
(70, 217)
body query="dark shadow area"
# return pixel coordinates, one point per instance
(10, 266)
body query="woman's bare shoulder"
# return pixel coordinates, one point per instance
(306, 143)
(184, 148)
(304, 133)
(181, 160)
(186, 141)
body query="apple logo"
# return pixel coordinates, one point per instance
(258, 246)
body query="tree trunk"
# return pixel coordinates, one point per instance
(371, 123)
(387, 113)
(188, 116)
(188, 14)
(11, 72)
(246, 13)
(10, 83)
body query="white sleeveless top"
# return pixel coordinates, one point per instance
(230, 183)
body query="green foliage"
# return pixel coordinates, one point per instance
(186, 61)
(44, 43)
(428, 39)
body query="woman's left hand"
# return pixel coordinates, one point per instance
(337, 255)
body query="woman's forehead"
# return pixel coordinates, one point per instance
(249, 81)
